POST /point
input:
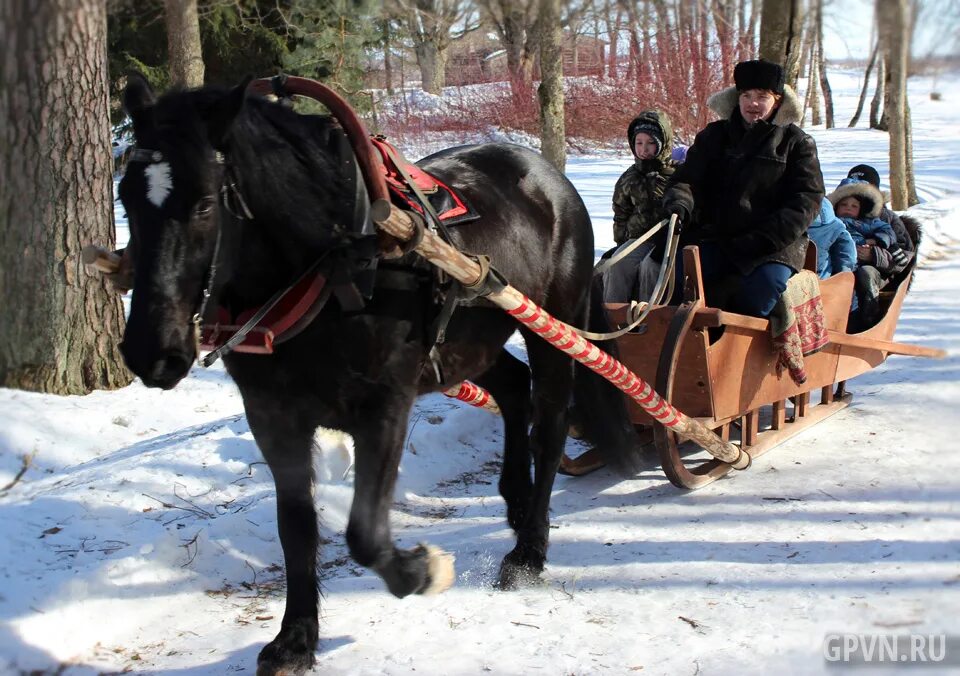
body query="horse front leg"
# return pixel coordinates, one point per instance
(552, 384)
(425, 569)
(286, 441)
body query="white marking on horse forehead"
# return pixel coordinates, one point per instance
(159, 182)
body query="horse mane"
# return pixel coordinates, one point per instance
(287, 165)
(290, 169)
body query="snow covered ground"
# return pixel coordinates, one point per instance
(141, 537)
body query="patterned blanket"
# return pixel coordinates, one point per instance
(797, 324)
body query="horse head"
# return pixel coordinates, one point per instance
(170, 194)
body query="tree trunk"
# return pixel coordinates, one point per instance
(893, 23)
(781, 26)
(813, 91)
(863, 91)
(822, 69)
(61, 326)
(633, 54)
(723, 23)
(432, 63)
(876, 104)
(183, 43)
(912, 197)
(754, 19)
(613, 25)
(387, 61)
(550, 93)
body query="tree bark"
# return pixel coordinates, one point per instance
(893, 23)
(61, 327)
(866, 84)
(553, 144)
(781, 28)
(183, 43)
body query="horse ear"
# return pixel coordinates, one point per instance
(137, 96)
(221, 114)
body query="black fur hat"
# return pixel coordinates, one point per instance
(865, 173)
(759, 74)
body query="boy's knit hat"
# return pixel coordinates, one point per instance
(648, 127)
(759, 74)
(865, 172)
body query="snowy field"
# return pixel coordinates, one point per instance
(142, 536)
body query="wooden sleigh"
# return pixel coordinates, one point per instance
(732, 386)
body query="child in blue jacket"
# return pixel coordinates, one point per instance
(836, 251)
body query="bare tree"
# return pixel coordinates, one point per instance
(813, 81)
(183, 43)
(822, 67)
(781, 28)
(893, 29)
(723, 21)
(430, 23)
(550, 93)
(866, 84)
(515, 22)
(879, 93)
(60, 325)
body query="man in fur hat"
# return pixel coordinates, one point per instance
(748, 190)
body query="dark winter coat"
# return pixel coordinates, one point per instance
(753, 190)
(638, 193)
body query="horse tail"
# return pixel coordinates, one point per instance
(914, 229)
(599, 408)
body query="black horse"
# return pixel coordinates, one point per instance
(261, 193)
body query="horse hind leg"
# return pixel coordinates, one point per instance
(508, 381)
(552, 384)
(425, 569)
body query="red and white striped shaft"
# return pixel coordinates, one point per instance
(400, 224)
(473, 395)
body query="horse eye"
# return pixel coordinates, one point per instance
(205, 206)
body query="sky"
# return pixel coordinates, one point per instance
(847, 28)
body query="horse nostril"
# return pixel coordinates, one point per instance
(169, 370)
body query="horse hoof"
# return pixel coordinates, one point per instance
(513, 576)
(291, 652)
(440, 570)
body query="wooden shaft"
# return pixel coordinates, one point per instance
(841, 338)
(100, 259)
(709, 317)
(563, 336)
